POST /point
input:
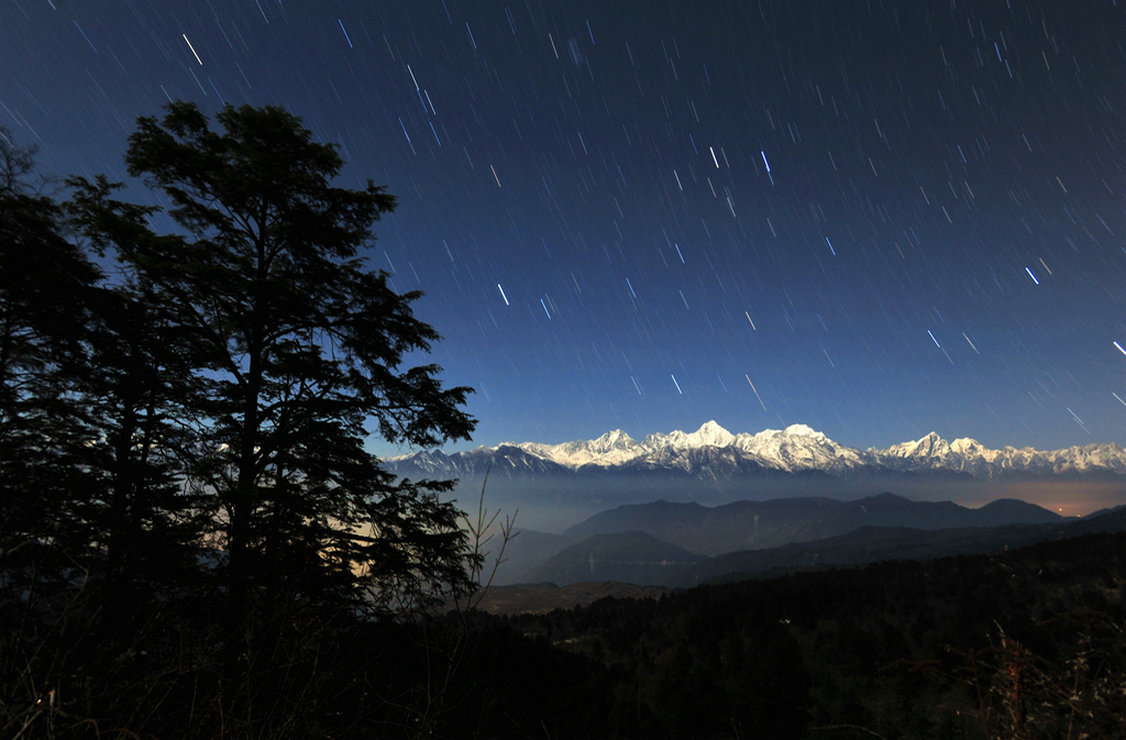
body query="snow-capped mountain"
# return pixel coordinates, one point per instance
(712, 452)
(612, 448)
(965, 455)
(933, 453)
(798, 447)
(505, 460)
(710, 434)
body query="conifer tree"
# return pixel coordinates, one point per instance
(137, 391)
(296, 351)
(43, 277)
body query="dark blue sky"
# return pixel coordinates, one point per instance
(887, 217)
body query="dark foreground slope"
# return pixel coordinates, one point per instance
(1026, 643)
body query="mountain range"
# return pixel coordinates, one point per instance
(713, 453)
(758, 525)
(678, 545)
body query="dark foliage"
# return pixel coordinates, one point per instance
(42, 322)
(295, 352)
(189, 522)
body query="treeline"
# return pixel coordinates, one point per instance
(1021, 644)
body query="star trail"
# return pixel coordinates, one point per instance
(886, 218)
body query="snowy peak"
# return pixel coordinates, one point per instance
(612, 440)
(966, 455)
(709, 434)
(972, 448)
(927, 446)
(712, 452)
(612, 448)
(799, 447)
(712, 434)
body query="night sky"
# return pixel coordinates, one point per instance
(878, 219)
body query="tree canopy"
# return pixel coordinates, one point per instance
(293, 351)
(42, 324)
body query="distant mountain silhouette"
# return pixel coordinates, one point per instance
(630, 557)
(525, 548)
(639, 557)
(755, 525)
(876, 544)
(871, 545)
(1011, 511)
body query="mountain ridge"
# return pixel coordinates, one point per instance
(712, 452)
(864, 544)
(747, 525)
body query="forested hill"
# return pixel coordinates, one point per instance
(644, 559)
(1025, 643)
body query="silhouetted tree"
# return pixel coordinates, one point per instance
(138, 391)
(43, 277)
(297, 353)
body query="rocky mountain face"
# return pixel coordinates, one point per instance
(713, 453)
